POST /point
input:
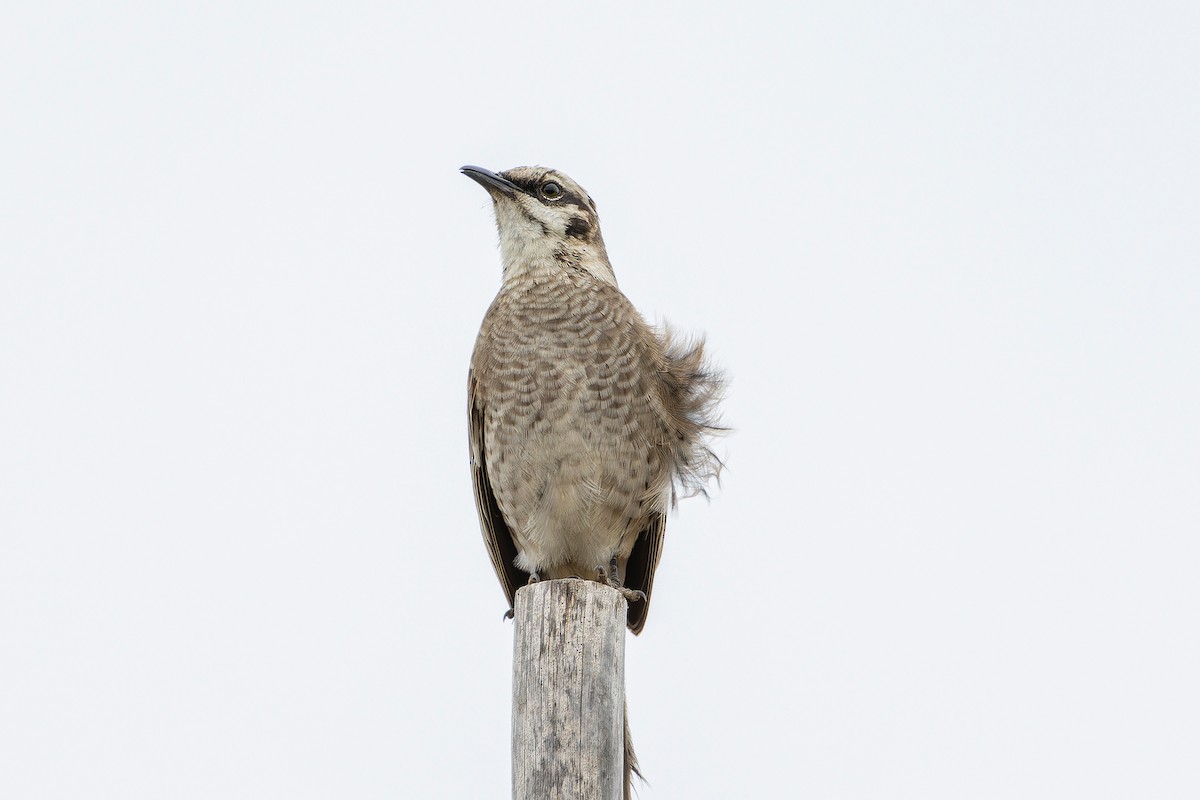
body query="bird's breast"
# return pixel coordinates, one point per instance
(570, 428)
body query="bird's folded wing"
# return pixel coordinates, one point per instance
(491, 521)
(639, 570)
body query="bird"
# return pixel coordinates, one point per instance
(585, 423)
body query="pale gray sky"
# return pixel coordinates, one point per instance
(950, 255)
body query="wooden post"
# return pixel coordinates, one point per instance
(568, 691)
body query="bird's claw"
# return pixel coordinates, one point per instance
(610, 577)
(632, 595)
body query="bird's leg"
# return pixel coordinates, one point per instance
(611, 577)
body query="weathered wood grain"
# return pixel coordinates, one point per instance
(568, 691)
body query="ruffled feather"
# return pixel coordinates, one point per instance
(694, 389)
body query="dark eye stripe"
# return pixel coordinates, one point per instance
(578, 228)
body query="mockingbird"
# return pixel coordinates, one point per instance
(584, 421)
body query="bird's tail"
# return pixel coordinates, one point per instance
(631, 763)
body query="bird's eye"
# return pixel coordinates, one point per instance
(551, 191)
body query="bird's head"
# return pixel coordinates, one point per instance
(545, 220)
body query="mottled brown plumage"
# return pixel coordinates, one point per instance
(583, 419)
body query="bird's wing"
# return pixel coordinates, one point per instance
(639, 570)
(491, 521)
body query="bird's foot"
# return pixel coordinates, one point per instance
(632, 595)
(609, 577)
(533, 578)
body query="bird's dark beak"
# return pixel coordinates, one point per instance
(490, 180)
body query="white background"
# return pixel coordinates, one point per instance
(949, 254)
